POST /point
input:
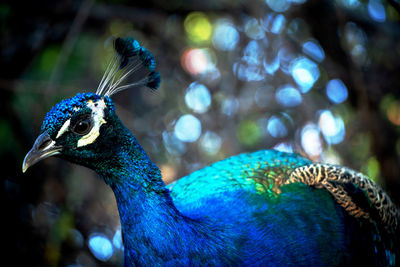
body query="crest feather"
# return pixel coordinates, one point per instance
(129, 58)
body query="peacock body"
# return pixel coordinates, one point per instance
(266, 208)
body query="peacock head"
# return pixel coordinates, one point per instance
(71, 129)
(81, 129)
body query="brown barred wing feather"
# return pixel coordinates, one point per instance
(356, 193)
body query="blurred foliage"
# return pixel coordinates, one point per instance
(319, 78)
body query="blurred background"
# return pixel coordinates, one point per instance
(319, 78)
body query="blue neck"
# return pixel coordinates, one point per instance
(154, 231)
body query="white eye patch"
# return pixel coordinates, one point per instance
(98, 119)
(64, 128)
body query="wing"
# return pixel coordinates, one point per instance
(357, 194)
(267, 172)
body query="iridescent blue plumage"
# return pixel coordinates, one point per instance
(126, 49)
(147, 58)
(63, 110)
(129, 48)
(154, 80)
(266, 208)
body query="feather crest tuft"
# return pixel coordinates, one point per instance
(129, 58)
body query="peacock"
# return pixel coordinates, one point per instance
(265, 208)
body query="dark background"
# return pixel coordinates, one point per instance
(58, 214)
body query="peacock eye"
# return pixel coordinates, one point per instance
(83, 125)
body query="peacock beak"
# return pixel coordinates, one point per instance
(43, 147)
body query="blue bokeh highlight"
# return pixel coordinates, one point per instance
(198, 97)
(332, 127)
(225, 37)
(314, 50)
(376, 10)
(276, 128)
(100, 246)
(288, 96)
(188, 128)
(336, 91)
(305, 73)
